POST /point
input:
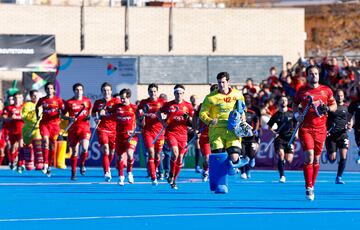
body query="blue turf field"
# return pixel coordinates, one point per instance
(33, 201)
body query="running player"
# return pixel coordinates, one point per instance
(31, 133)
(13, 114)
(312, 133)
(49, 124)
(79, 109)
(106, 130)
(354, 110)
(283, 118)
(337, 139)
(179, 116)
(149, 108)
(125, 113)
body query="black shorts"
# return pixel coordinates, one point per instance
(335, 141)
(248, 148)
(282, 143)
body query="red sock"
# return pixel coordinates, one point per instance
(83, 157)
(177, 169)
(1, 159)
(157, 163)
(172, 167)
(106, 163)
(21, 160)
(121, 168)
(73, 161)
(46, 155)
(111, 157)
(151, 168)
(51, 157)
(308, 175)
(129, 166)
(316, 167)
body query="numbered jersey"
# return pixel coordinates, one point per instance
(152, 107)
(125, 118)
(51, 108)
(108, 121)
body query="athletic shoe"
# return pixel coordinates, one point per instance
(358, 161)
(243, 176)
(339, 180)
(173, 185)
(205, 176)
(107, 176)
(252, 163)
(121, 181)
(154, 182)
(20, 169)
(82, 170)
(282, 179)
(48, 172)
(160, 176)
(130, 178)
(166, 174)
(198, 169)
(11, 166)
(73, 176)
(310, 195)
(45, 168)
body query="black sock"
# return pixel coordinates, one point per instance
(242, 169)
(197, 157)
(341, 167)
(281, 167)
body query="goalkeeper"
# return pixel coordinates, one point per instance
(225, 145)
(31, 133)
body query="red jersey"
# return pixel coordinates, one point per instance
(16, 124)
(108, 121)
(176, 123)
(321, 94)
(73, 106)
(202, 125)
(151, 120)
(51, 108)
(125, 118)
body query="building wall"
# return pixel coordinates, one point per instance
(238, 31)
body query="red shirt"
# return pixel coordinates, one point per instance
(202, 125)
(51, 108)
(74, 106)
(176, 123)
(108, 121)
(151, 120)
(16, 124)
(125, 118)
(321, 93)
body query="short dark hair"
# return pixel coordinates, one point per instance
(179, 86)
(77, 85)
(222, 75)
(214, 87)
(50, 83)
(103, 85)
(311, 67)
(152, 85)
(31, 93)
(127, 92)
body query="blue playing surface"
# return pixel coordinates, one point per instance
(34, 201)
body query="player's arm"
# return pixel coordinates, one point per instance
(205, 111)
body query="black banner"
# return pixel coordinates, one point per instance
(28, 53)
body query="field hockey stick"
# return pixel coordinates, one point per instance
(274, 137)
(306, 110)
(164, 125)
(146, 109)
(194, 138)
(72, 121)
(33, 127)
(331, 129)
(97, 123)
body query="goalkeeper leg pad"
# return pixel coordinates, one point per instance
(218, 170)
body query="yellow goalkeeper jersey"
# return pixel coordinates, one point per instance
(28, 114)
(218, 106)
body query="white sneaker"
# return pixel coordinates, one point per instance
(121, 181)
(154, 182)
(107, 176)
(310, 195)
(130, 178)
(243, 176)
(282, 179)
(358, 161)
(45, 168)
(205, 176)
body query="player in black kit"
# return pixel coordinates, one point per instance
(337, 137)
(285, 123)
(354, 110)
